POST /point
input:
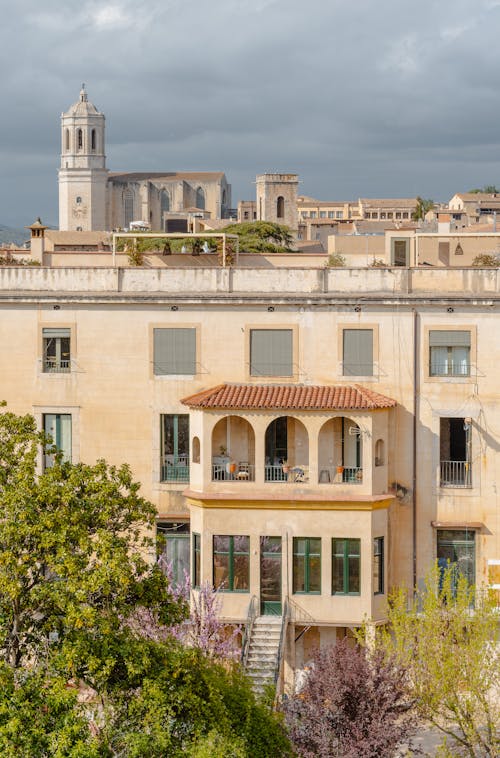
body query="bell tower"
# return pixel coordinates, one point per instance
(83, 174)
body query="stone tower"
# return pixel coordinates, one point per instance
(83, 175)
(277, 199)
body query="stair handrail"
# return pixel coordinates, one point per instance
(301, 615)
(284, 624)
(251, 616)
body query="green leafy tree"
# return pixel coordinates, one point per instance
(489, 189)
(262, 237)
(423, 206)
(447, 638)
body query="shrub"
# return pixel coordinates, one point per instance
(486, 260)
(335, 260)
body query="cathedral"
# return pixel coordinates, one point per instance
(92, 198)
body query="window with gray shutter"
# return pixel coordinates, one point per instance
(174, 351)
(271, 352)
(449, 352)
(56, 349)
(358, 352)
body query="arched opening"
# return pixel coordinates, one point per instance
(66, 140)
(78, 200)
(195, 446)
(280, 207)
(233, 450)
(93, 141)
(200, 198)
(340, 452)
(164, 204)
(286, 451)
(79, 139)
(128, 207)
(380, 453)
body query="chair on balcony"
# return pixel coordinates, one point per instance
(243, 472)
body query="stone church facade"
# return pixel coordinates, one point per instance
(91, 198)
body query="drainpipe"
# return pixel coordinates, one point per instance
(414, 451)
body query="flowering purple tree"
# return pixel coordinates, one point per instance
(352, 704)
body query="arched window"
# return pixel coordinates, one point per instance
(79, 139)
(93, 140)
(200, 198)
(379, 453)
(196, 450)
(280, 207)
(66, 140)
(128, 207)
(164, 202)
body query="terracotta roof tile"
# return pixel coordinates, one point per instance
(288, 397)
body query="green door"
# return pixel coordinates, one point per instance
(270, 576)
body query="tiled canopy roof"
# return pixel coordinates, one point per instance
(288, 397)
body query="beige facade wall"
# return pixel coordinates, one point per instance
(357, 249)
(116, 402)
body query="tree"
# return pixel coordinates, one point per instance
(262, 237)
(447, 637)
(423, 206)
(352, 704)
(488, 189)
(77, 678)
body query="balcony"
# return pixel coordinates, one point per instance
(225, 470)
(341, 475)
(55, 366)
(456, 474)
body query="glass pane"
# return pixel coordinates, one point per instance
(315, 574)
(241, 572)
(460, 361)
(298, 574)
(221, 570)
(64, 441)
(241, 543)
(270, 569)
(299, 546)
(353, 568)
(338, 574)
(354, 547)
(315, 546)
(221, 544)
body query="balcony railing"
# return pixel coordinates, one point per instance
(54, 366)
(233, 472)
(456, 474)
(284, 473)
(175, 469)
(340, 475)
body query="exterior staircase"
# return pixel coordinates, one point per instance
(262, 655)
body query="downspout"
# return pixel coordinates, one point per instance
(414, 450)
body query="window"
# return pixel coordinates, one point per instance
(245, 214)
(378, 566)
(346, 566)
(172, 540)
(174, 351)
(312, 214)
(93, 140)
(196, 567)
(280, 207)
(322, 214)
(79, 228)
(307, 565)
(271, 352)
(449, 353)
(457, 548)
(455, 452)
(232, 563)
(66, 139)
(358, 352)
(175, 447)
(79, 139)
(331, 214)
(128, 207)
(58, 427)
(200, 199)
(338, 214)
(56, 350)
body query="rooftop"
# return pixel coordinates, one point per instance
(288, 396)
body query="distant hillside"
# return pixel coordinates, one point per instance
(8, 234)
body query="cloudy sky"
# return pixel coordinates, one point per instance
(372, 98)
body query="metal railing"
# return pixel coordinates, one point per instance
(455, 474)
(175, 469)
(253, 608)
(340, 475)
(54, 366)
(233, 472)
(281, 649)
(284, 473)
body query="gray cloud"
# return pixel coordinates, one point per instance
(386, 98)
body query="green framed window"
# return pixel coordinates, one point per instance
(175, 447)
(196, 565)
(346, 566)
(58, 427)
(174, 351)
(307, 565)
(231, 562)
(172, 546)
(378, 566)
